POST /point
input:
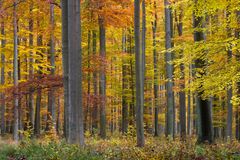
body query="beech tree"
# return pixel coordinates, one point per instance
(139, 76)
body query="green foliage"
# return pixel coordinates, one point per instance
(7, 151)
(52, 151)
(121, 148)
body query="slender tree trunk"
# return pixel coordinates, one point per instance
(88, 85)
(189, 112)
(102, 84)
(95, 85)
(20, 110)
(132, 104)
(58, 119)
(205, 128)
(65, 66)
(51, 117)
(237, 116)
(169, 67)
(37, 123)
(229, 91)
(182, 95)
(3, 43)
(31, 71)
(155, 66)
(124, 87)
(139, 77)
(15, 74)
(143, 38)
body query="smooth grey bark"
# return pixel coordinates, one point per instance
(20, 115)
(132, 110)
(31, 71)
(229, 91)
(51, 117)
(58, 118)
(143, 38)
(223, 105)
(155, 66)
(37, 123)
(3, 109)
(76, 134)
(139, 77)
(88, 84)
(204, 109)
(65, 66)
(124, 87)
(182, 95)
(237, 114)
(95, 85)
(15, 74)
(189, 112)
(169, 70)
(102, 83)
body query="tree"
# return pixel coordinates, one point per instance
(124, 86)
(205, 130)
(65, 66)
(37, 123)
(229, 91)
(76, 130)
(237, 116)
(15, 73)
(182, 95)
(155, 66)
(169, 70)
(3, 43)
(102, 83)
(139, 76)
(31, 70)
(95, 85)
(51, 117)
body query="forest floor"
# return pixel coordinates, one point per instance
(117, 147)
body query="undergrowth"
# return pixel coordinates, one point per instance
(118, 148)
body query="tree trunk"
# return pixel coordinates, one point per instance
(143, 39)
(58, 123)
(95, 85)
(237, 35)
(102, 84)
(132, 112)
(124, 88)
(229, 91)
(3, 42)
(15, 74)
(37, 123)
(76, 134)
(65, 66)
(169, 68)
(139, 77)
(31, 71)
(20, 111)
(51, 117)
(88, 85)
(205, 128)
(155, 66)
(182, 95)
(189, 112)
